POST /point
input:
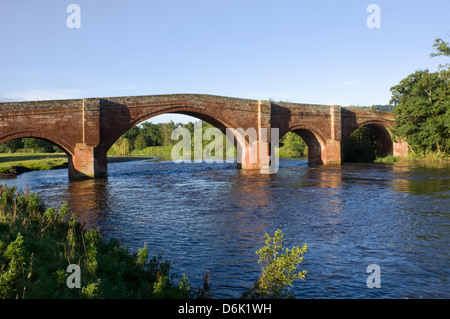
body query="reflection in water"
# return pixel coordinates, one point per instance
(417, 180)
(88, 200)
(214, 217)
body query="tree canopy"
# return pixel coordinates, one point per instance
(422, 107)
(442, 48)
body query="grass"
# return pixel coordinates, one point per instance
(389, 159)
(288, 152)
(38, 244)
(428, 157)
(163, 152)
(16, 163)
(22, 162)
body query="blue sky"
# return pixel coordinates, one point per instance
(302, 51)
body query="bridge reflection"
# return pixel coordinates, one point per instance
(88, 200)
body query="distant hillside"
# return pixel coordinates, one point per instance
(383, 107)
(376, 107)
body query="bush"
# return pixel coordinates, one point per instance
(360, 146)
(292, 146)
(278, 268)
(37, 245)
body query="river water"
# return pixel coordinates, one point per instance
(213, 217)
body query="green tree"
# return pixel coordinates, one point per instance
(140, 143)
(422, 107)
(37, 145)
(166, 130)
(12, 146)
(121, 147)
(442, 48)
(132, 134)
(360, 146)
(278, 268)
(292, 146)
(152, 134)
(422, 111)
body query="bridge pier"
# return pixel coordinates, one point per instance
(401, 149)
(87, 162)
(334, 143)
(254, 150)
(333, 152)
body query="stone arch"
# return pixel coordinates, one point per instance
(62, 144)
(200, 113)
(315, 142)
(382, 134)
(221, 125)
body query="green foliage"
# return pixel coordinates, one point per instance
(155, 140)
(29, 145)
(37, 245)
(140, 137)
(389, 159)
(13, 269)
(386, 107)
(422, 111)
(91, 290)
(360, 146)
(142, 256)
(151, 133)
(208, 150)
(163, 152)
(140, 142)
(12, 146)
(166, 130)
(292, 146)
(16, 164)
(442, 48)
(422, 108)
(279, 268)
(122, 147)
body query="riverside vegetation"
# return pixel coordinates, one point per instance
(37, 245)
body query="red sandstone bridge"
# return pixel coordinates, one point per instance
(86, 128)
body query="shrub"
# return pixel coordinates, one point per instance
(37, 245)
(279, 268)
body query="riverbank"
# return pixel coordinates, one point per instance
(431, 159)
(14, 164)
(38, 244)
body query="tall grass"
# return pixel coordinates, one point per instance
(37, 245)
(389, 159)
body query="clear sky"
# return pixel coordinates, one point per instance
(303, 51)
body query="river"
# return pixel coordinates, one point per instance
(213, 217)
